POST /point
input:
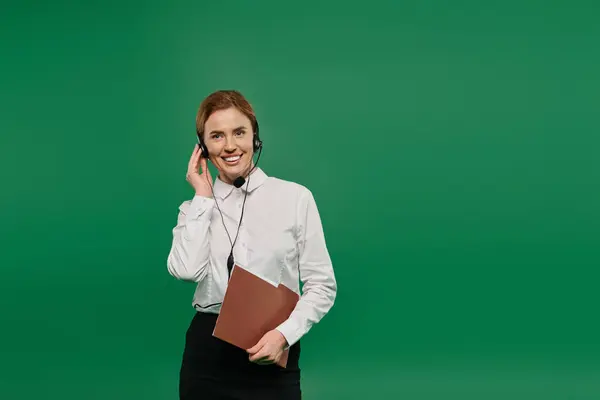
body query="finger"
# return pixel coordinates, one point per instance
(203, 165)
(193, 158)
(263, 353)
(256, 351)
(257, 346)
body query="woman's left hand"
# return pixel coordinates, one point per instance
(269, 348)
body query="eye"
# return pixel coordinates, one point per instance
(240, 133)
(216, 135)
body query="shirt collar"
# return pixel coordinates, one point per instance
(256, 179)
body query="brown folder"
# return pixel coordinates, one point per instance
(252, 307)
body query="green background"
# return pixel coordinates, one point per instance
(452, 147)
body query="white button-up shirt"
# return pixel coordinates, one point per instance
(280, 240)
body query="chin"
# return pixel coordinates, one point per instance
(233, 171)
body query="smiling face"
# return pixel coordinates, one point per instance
(229, 137)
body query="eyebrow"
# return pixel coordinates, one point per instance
(239, 128)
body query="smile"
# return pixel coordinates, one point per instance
(232, 160)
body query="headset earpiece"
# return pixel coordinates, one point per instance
(203, 148)
(257, 142)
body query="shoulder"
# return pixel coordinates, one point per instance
(289, 196)
(287, 189)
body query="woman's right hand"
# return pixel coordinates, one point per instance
(200, 181)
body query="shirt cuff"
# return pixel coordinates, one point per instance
(290, 330)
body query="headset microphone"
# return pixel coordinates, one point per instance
(239, 182)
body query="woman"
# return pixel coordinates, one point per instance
(266, 225)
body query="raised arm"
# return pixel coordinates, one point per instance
(190, 251)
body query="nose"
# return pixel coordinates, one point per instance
(230, 144)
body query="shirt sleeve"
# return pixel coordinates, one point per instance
(316, 273)
(189, 256)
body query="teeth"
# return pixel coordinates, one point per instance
(229, 159)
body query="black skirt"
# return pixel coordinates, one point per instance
(212, 369)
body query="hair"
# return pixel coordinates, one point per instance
(221, 100)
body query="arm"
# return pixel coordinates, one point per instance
(316, 273)
(189, 255)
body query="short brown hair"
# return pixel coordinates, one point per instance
(221, 100)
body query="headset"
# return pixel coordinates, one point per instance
(238, 182)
